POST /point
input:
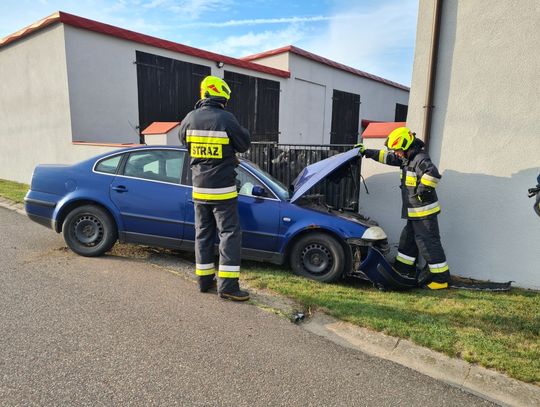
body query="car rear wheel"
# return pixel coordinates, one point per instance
(318, 256)
(89, 231)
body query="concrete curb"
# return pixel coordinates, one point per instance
(485, 383)
(14, 206)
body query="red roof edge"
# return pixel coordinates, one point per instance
(96, 26)
(38, 25)
(277, 51)
(326, 61)
(107, 29)
(381, 129)
(160, 128)
(97, 143)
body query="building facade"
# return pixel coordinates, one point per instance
(68, 79)
(337, 99)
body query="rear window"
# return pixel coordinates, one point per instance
(155, 165)
(108, 165)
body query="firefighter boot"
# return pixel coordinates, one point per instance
(438, 281)
(207, 284)
(229, 289)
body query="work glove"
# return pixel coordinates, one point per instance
(362, 148)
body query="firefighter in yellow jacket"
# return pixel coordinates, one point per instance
(420, 205)
(213, 137)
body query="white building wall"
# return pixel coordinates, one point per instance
(278, 61)
(485, 134)
(36, 123)
(378, 100)
(103, 84)
(102, 87)
(34, 108)
(383, 203)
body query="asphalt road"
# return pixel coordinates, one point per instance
(118, 331)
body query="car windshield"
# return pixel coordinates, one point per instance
(280, 189)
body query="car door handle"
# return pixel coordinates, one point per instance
(119, 188)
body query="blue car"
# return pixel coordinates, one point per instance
(143, 195)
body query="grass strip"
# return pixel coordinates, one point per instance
(498, 330)
(13, 190)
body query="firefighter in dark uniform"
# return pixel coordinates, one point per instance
(213, 137)
(419, 179)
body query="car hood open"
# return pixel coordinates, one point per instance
(314, 173)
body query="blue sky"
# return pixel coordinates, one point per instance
(376, 36)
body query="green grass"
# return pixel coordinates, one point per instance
(13, 190)
(499, 330)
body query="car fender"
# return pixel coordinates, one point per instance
(82, 195)
(301, 227)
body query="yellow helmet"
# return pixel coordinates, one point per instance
(400, 139)
(216, 87)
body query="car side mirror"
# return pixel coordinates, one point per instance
(258, 191)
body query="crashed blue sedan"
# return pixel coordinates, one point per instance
(143, 195)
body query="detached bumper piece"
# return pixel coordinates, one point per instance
(383, 276)
(380, 272)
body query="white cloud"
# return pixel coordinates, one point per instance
(379, 41)
(259, 21)
(252, 43)
(189, 9)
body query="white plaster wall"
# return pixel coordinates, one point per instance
(102, 87)
(485, 134)
(103, 84)
(278, 61)
(34, 108)
(313, 100)
(383, 203)
(378, 101)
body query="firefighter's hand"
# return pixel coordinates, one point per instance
(362, 148)
(236, 160)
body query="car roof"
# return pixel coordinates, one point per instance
(136, 148)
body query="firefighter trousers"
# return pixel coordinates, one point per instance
(222, 218)
(421, 237)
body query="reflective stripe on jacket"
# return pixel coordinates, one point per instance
(419, 178)
(213, 136)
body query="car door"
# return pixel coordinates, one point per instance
(148, 193)
(259, 216)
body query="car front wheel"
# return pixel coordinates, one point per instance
(89, 231)
(318, 256)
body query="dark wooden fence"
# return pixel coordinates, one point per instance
(286, 161)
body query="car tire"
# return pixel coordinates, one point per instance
(89, 231)
(318, 256)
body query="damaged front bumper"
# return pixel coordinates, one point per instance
(380, 272)
(377, 269)
(370, 263)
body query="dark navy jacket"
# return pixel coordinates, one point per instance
(213, 137)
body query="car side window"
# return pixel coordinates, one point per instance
(245, 182)
(109, 165)
(156, 165)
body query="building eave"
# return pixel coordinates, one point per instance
(102, 28)
(314, 57)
